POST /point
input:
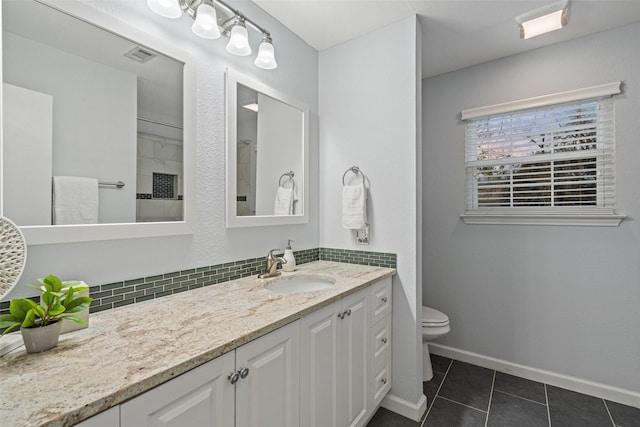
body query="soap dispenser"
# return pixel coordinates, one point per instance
(288, 256)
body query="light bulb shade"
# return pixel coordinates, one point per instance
(266, 58)
(167, 8)
(206, 23)
(239, 41)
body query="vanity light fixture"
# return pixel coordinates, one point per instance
(544, 19)
(167, 8)
(239, 39)
(205, 24)
(213, 18)
(266, 58)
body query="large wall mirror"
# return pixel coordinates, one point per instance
(267, 155)
(97, 126)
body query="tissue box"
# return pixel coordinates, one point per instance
(68, 325)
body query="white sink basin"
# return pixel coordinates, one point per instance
(299, 284)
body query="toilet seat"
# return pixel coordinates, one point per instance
(432, 318)
(434, 325)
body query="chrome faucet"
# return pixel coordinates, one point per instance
(272, 265)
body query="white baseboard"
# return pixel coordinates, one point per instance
(603, 391)
(411, 410)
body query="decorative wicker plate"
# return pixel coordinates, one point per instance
(13, 255)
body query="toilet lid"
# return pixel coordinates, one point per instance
(433, 317)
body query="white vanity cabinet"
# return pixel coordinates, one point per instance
(255, 385)
(336, 383)
(269, 394)
(380, 339)
(333, 363)
(201, 397)
(331, 368)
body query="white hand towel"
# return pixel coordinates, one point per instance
(294, 204)
(284, 201)
(75, 200)
(354, 206)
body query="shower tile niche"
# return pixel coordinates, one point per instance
(159, 185)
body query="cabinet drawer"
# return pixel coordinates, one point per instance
(381, 382)
(380, 299)
(380, 342)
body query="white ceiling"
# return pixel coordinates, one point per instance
(456, 33)
(159, 79)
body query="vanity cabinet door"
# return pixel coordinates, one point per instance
(355, 359)
(320, 353)
(335, 364)
(108, 418)
(201, 397)
(268, 392)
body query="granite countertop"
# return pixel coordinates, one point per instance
(129, 350)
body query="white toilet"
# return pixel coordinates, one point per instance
(434, 325)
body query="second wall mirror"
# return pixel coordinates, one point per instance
(267, 155)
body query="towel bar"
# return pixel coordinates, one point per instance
(118, 184)
(354, 169)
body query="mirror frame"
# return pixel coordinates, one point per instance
(49, 234)
(234, 78)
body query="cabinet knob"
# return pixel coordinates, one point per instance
(384, 340)
(383, 380)
(384, 299)
(341, 315)
(233, 377)
(243, 372)
(348, 312)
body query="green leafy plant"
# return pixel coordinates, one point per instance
(59, 300)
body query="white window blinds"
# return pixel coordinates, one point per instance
(558, 157)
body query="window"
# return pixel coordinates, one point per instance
(545, 160)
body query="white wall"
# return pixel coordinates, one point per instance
(563, 299)
(94, 118)
(27, 129)
(279, 151)
(246, 159)
(211, 243)
(368, 96)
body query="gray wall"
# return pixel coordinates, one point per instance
(211, 243)
(559, 298)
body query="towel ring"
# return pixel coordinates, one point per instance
(290, 174)
(354, 169)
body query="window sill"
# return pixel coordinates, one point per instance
(586, 219)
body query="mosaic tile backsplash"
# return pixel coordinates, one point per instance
(117, 294)
(164, 185)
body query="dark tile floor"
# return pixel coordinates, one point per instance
(464, 395)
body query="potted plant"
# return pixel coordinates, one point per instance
(40, 323)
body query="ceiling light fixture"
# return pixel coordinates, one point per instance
(544, 19)
(213, 18)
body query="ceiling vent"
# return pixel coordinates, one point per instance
(140, 54)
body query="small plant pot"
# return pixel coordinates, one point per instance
(41, 338)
